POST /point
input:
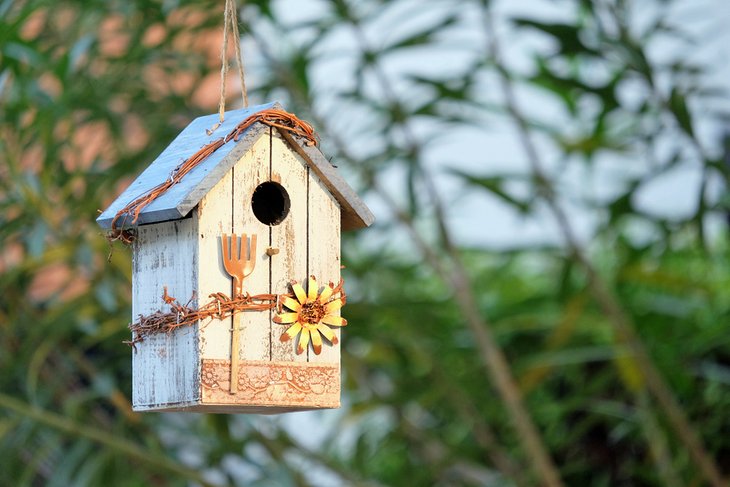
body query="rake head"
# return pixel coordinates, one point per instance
(239, 261)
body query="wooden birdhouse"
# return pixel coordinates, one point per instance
(223, 225)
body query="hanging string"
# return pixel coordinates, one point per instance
(230, 22)
(224, 67)
(239, 56)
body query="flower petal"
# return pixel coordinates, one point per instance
(299, 291)
(290, 303)
(326, 293)
(316, 342)
(312, 287)
(328, 333)
(291, 332)
(303, 341)
(286, 318)
(334, 320)
(333, 306)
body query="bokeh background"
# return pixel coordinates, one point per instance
(544, 299)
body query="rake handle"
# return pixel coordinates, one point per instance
(235, 338)
(235, 342)
(238, 267)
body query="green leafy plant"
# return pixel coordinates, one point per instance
(595, 356)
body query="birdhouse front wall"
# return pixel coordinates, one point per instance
(272, 376)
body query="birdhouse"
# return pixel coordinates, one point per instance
(236, 288)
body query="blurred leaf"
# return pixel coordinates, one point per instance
(630, 373)
(678, 105)
(495, 186)
(423, 37)
(91, 92)
(567, 35)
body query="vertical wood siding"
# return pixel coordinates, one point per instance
(290, 237)
(165, 367)
(248, 173)
(324, 251)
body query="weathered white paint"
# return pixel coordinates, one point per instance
(248, 173)
(324, 251)
(290, 237)
(215, 217)
(165, 367)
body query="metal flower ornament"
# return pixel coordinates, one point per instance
(312, 314)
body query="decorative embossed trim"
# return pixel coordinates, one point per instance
(262, 383)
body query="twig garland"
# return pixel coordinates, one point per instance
(273, 117)
(135, 207)
(219, 308)
(281, 119)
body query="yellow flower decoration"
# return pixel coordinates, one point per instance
(310, 315)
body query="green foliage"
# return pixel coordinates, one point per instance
(92, 91)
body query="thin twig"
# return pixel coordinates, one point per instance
(657, 442)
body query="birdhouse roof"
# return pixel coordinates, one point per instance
(179, 199)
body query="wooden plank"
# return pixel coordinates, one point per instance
(165, 367)
(290, 237)
(248, 174)
(355, 214)
(324, 252)
(216, 218)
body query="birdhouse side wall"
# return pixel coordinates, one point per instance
(165, 366)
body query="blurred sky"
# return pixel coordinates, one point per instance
(490, 147)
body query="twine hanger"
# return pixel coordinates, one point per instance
(230, 22)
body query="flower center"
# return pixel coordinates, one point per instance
(311, 313)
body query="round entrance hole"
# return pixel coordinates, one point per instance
(270, 203)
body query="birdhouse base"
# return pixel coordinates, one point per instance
(264, 387)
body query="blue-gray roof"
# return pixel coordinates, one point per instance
(177, 201)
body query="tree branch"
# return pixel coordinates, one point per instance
(607, 301)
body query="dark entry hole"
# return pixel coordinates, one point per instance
(270, 203)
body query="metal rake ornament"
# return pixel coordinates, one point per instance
(238, 265)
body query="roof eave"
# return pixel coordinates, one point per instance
(354, 213)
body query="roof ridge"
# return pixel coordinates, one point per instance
(178, 199)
